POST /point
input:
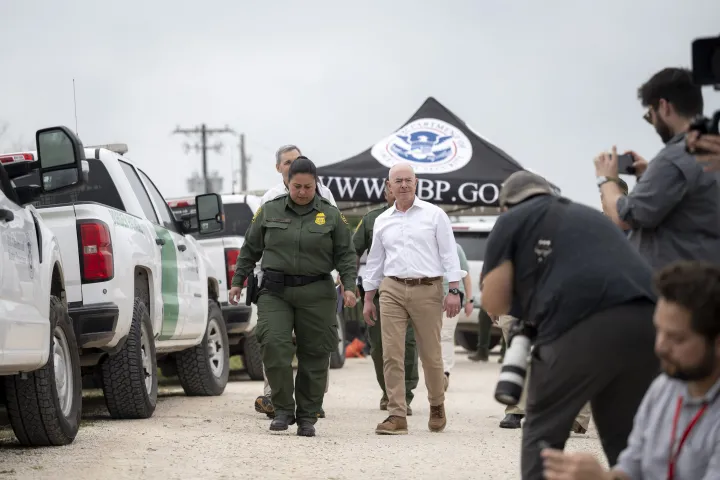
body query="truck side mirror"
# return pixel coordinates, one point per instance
(210, 214)
(60, 158)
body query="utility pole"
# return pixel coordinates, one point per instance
(244, 160)
(203, 147)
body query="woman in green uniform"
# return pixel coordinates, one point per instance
(301, 238)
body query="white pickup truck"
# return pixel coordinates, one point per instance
(139, 287)
(223, 249)
(472, 237)
(40, 382)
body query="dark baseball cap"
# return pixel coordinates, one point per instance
(522, 185)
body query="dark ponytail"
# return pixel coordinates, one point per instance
(302, 164)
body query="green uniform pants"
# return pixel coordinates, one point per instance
(484, 328)
(310, 310)
(411, 356)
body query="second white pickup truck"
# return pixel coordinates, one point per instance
(140, 288)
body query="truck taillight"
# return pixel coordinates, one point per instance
(17, 157)
(231, 256)
(96, 251)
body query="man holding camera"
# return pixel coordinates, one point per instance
(588, 312)
(673, 213)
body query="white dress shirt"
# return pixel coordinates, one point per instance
(418, 243)
(281, 189)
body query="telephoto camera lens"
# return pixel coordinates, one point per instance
(514, 369)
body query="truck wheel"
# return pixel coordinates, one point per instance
(130, 380)
(467, 340)
(252, 357)
(337, 358)
(494, 340)
(204, 369)
(45, 408)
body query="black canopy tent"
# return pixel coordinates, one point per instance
(456, 168)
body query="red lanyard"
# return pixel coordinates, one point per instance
(674, 455)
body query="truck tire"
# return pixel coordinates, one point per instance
(467, 340)
(252, 357)
(337, 358)
(494, 340)
(129, 378)
(45, 408)
(204, 369)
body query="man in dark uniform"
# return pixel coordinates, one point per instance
(301, 238)
(362, 240)
(484, 333)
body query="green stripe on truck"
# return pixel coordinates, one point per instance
(169, 286)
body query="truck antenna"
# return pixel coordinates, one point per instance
(75, 106)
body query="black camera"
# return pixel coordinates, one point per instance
(706, 71)
(705, 125)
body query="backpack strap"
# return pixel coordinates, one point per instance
(543, 249)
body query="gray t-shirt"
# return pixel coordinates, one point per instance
(674, 210)
(648, 451)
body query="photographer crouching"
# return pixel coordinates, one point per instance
(587, 301)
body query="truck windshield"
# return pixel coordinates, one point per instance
(238, 217)
(473, 243)
(99, 189)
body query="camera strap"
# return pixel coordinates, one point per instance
(543, 249)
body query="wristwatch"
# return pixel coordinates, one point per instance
(601, 180)
(454, 291)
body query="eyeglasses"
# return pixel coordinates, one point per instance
(648, 116)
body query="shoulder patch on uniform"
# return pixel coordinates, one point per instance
(256, 214)
(320, 218)
(343, 219)
(358, 225)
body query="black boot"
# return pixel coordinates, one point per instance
(305, 428)
(479, 356)
(511, 420)
(281, 422)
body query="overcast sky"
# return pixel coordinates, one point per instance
(552, 83)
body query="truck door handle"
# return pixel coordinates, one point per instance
(6, 215)
(182, 247)
(160, 241)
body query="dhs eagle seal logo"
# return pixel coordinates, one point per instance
(428, 144)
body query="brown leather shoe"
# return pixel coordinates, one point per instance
(437, 420)
(392, 425)
(384, 403)
(577, 428)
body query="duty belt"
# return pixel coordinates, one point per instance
(302, 280)
(416, 281)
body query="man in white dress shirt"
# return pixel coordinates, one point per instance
(413, 248)
(284, 157)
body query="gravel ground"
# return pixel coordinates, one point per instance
(223, 437)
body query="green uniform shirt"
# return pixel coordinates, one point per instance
(311, 239)
(362, 238)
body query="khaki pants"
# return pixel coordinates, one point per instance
(583, 418)
(421, 305)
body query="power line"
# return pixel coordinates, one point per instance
(203, 146)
